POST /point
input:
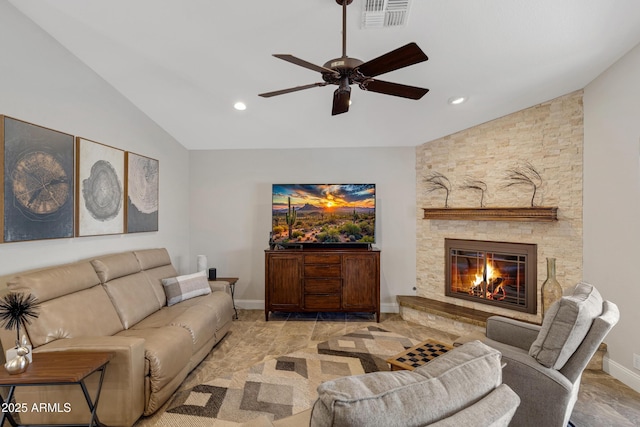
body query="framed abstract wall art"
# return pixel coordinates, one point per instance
(143, 180)
(100, 189)
(36, 182)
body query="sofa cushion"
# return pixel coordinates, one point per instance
(565, 325)
(201, 323)
(167, 352)
(162, 317)
(185, 287)
(55, 282)
(155, 276)
(445, 385)
(152, 258)
(111, 267)
(132, 297)
(156, 263)
(221, 304)
(86, 313)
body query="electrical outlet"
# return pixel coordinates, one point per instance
(636, 361)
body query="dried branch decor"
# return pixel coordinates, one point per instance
(475, 184)
(436, 181)
(525, 175)
(16, 309)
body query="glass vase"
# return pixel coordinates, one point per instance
(551, 289)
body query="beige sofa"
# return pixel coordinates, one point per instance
(117, 303)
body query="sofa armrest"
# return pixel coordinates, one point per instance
(220, 286)
(512, 332)
(547, 395)
(123, 386)
(494, 410)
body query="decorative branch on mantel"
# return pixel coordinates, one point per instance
(525, 175)
(475, 184)
(436, 181)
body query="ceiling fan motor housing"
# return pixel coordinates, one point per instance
(344, 67)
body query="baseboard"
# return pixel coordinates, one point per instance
(622, 374)
(250, 304)
(389, 307)
(257, 304)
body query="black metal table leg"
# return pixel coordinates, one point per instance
(93, 406)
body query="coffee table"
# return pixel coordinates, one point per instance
(418, 355)
(53, 369)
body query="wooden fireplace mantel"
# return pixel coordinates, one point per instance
(535, 214)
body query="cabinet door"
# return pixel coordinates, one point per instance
(360, 286)
(285, 281)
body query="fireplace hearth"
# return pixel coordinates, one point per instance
(495, 273)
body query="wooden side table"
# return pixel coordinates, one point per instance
(53, 369)
(232, 284)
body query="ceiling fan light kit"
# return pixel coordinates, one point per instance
(345, 71)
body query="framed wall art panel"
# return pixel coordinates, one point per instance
(36, 182)
(100, 189)
(143, 178)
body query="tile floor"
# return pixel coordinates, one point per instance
(603, 400)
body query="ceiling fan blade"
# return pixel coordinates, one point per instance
(341, 98)
(395, 89)
(402, 57)
(291, 89)
(303, 63)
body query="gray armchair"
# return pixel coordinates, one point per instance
(544, 364)
(463, 387)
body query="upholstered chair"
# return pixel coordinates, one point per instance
(462, 387)
(544, 364)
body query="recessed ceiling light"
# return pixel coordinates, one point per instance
(240, 106)
(456, 100)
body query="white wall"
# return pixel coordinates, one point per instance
(612, 203)
(42, 83)
(231, 208)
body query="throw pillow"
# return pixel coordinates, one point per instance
(184, 287)
(565, 326)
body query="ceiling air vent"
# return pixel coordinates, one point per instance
(385, 13)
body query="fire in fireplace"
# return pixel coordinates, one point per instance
(495, 273)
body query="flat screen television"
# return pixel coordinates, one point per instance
(321, 214)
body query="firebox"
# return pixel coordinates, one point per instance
(496, 273)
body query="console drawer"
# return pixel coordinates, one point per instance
(322, 259)
(322, 286)
(322, 302)
(322, 270)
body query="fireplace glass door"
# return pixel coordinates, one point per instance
(495, 273)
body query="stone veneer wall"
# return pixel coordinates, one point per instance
(550, 137)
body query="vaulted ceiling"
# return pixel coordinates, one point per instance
(185, 63)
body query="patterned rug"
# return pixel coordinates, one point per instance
(285, 385)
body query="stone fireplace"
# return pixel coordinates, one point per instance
(494, 273)
(548, 136)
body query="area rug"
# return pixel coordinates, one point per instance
(284, 385)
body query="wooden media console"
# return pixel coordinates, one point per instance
(322, 280)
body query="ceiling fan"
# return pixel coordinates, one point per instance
(345, 71)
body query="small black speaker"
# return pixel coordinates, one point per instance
(212, 274)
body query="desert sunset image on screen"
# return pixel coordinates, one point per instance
(324, 213)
